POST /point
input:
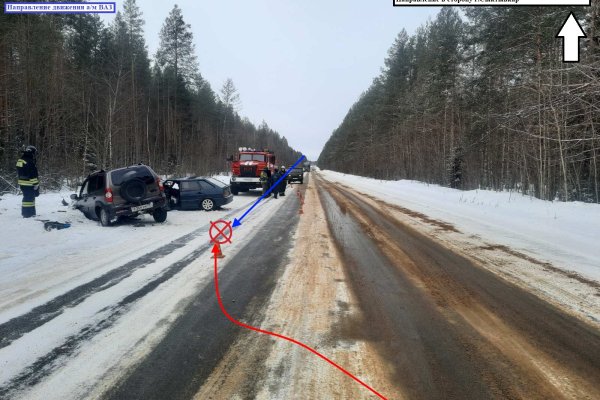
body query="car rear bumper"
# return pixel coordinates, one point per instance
(223, 200)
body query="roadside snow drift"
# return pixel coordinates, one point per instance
(564, 234)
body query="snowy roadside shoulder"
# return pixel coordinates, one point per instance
(36, 265)
(24, 240)
(563, 234)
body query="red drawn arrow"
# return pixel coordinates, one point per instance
(215, 251)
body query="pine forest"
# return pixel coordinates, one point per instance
(89, 96)
(479, 98)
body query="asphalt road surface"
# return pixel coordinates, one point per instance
(178, 366)
(409, 316)
(442, 326)
(451, 328)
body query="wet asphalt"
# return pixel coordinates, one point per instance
(452, 329)
(177, 367)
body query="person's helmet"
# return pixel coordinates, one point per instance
(283, 168)
(30, 149)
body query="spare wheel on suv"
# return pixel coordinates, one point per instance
(133, 190)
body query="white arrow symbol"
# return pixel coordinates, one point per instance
(571, 32)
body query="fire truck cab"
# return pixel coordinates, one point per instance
(246, 167)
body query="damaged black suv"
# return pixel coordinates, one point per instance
(123, 192)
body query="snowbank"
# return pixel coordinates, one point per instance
(564, 234)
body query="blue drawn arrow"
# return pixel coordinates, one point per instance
(238, 222)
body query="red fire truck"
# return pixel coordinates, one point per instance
(246, 167)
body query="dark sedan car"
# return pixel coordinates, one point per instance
(197, 193)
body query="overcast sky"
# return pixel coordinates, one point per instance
(298, 65)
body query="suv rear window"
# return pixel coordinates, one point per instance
(121, 175)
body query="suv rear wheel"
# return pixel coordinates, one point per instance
(160, 215)
(207, 204)
(104, 217)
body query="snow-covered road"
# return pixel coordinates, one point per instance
(63, 288)
(371, 274)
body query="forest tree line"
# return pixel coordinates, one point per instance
(482, 99)
(89, 96)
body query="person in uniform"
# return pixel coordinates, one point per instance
(28, 181)
(275, 178)
(283, 184)
(265, 179)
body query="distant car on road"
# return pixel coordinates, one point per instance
(197, 193)
(296, 175)
(123, 192)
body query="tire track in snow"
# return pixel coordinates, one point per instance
(15, 328)
(49, 362)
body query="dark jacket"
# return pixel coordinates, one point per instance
(27, 171)
(276, 176)
(282, 185)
